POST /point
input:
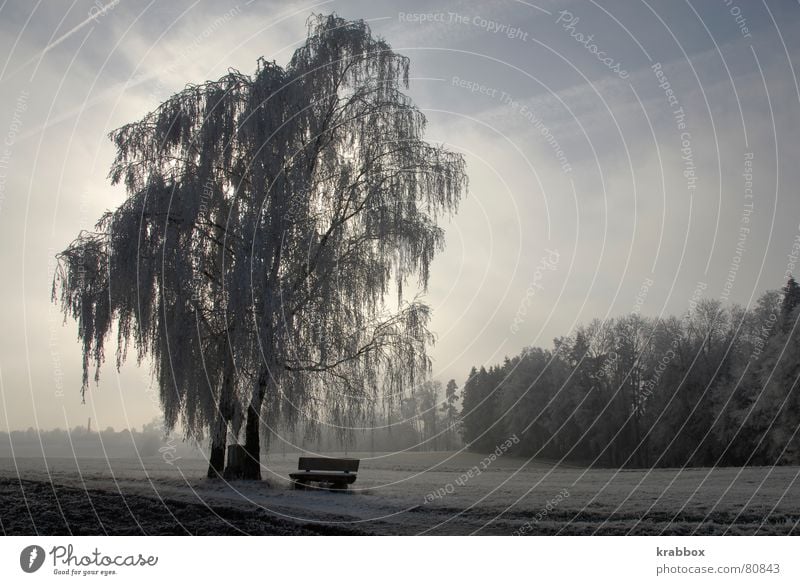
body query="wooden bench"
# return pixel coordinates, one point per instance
(339, 473)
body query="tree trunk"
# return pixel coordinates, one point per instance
(252, 444)
(216, 462)
(252, 439)
(219, 437)
(234, 466)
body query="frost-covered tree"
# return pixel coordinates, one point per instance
(268, 219)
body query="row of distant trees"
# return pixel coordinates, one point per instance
(431, 416)
(423, 419)
(150, 441)
(714, 387)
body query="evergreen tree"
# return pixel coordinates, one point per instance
(791, 298)
(450, 413)
(471, 425)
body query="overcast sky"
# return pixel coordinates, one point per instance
(593, 191)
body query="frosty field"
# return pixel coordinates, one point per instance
(401, 493)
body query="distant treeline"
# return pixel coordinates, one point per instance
(715, 387)
(151, 441)
(425, 419)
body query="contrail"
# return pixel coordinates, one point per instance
(64, 37)
(91, 18)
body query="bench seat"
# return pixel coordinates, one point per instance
(338, 472)
(323, 476)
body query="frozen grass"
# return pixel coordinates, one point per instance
(433, 493)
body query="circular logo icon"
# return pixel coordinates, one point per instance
(31, 558)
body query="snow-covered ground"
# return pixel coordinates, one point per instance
(463, 493)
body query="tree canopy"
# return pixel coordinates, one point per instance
(268, 219)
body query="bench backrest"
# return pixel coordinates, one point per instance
(327, 464)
